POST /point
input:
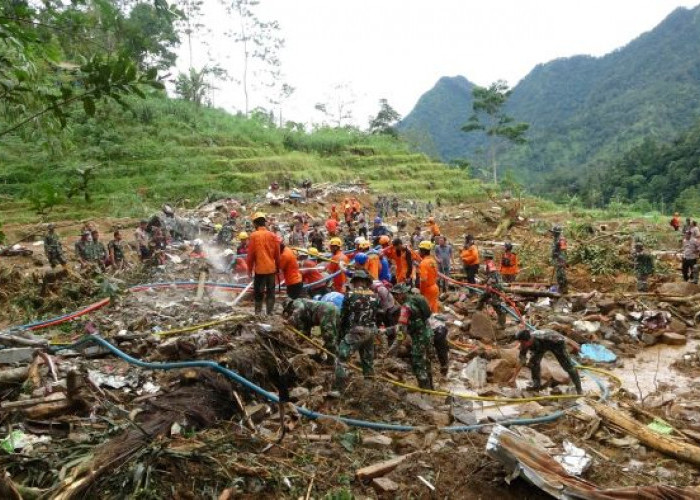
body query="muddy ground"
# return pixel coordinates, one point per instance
(125, 432)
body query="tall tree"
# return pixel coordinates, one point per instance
(39, 85)
(385, 121)
(338, 106)
(489, 118)
(260, 42)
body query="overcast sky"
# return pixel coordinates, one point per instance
(398, 49)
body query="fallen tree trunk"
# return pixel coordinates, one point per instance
(532, 293)
(664, 444)
(14, 375)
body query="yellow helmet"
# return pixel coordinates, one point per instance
(425, 245)
(259, 215)
(365, 245)
(242, 235)
(313, 252)
(217, 227)
(335, 242)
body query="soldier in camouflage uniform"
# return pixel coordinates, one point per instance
(225, 234)
(643, 266)
(97, 250)
(358, 326)
(413, 320)
(541, 341)
(53, 248)
(83, 248)
(116, 251)
(494, 285)
(304, 314)
(559, 258)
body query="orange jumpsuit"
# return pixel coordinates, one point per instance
(434, 229)
(373, 264)
(334, 266)
(509, 272)
(403, 267)
(289, 267)
(470, 256)
(334, 215)
(429, 281)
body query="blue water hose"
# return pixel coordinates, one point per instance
(380, 426)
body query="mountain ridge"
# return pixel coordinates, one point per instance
(581, 109)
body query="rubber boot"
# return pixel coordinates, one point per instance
(270, 304)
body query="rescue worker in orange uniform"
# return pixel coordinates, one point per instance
(429, 275)
(373, 263)
(338, 263)
(334, 214)
(434, 229)
(402, 259)
(470, 259)
(263, 260)
(310, 274)
(510, 267)
(289, 269)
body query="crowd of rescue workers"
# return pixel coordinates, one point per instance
(362, 285)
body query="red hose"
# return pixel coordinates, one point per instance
(65, 319)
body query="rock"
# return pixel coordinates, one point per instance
(376, 441)
(475, 372)
(384, 485)
(553, 372)
(463, 411)
(299, 393)
(671, 338)
(481, 327)
(678, 326)
(679, 289)
(410, 442)
(16, 355)
(440, 419)
(648, 338)
(607, 306)
(420, 401)
(499, 371)
(587, 327)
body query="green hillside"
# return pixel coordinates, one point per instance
(583, 109)
(168, 150)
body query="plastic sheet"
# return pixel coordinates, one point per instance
(597, 353)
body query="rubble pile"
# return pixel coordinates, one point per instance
(152, 413)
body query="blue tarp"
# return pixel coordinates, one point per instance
(597, 353)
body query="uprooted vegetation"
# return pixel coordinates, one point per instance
(103, 427)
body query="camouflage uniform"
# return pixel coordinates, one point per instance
(490, 295)
(53, 249)
(225, 235)
(308, 313)
(358, 328)
(415, 312)
(98, 252)
(82, 249)
(118, 248)
(543, 341)
(559, 262)
(643, 268)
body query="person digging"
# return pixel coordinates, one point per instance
(538, 342)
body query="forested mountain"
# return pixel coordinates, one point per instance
(581, 109)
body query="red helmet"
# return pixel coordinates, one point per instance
(233, 213)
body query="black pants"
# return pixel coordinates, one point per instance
(471, 271)
(264, 286)
(295, 291)
(688, 268)
(564, 360)
(442, 349)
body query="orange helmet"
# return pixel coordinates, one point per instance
(384, 240)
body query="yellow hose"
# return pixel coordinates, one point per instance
(460, 395)
(201, 326)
